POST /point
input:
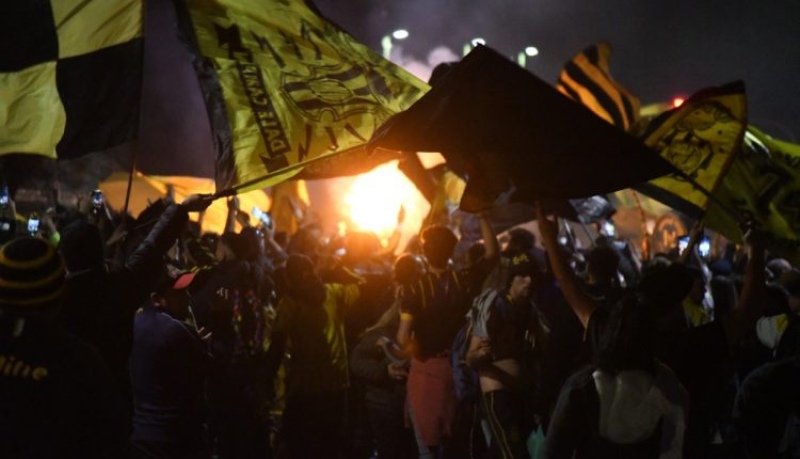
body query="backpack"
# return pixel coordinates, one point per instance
(467, 384)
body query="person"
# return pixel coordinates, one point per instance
(627, 404)
(99, 303)
(767, 410)
(310, 321)
(384, 374)
(168, 366)
(55, 390)
(432, 311)
(505, 327)
(697, 355)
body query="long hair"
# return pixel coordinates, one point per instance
(627, 340)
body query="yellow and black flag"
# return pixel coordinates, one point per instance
(587, 79)
(700, 138)
(286, 89)
(763, 185)
(70, 75)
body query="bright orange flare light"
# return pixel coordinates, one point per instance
(678, 101)
(374, 200)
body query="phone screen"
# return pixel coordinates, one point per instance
(704, 247)
(33, 225)
(683, 243)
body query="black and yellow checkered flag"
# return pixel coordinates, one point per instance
(70, 75)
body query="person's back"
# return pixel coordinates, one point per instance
(55, 391)
(626, 404)
(168, 367)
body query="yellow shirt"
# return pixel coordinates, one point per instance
(316, 340)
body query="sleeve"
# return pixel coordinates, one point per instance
(142, 265)
(366, 362)
(409, 299)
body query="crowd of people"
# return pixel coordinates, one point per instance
(146, 338)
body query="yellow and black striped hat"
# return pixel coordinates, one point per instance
(31, 273)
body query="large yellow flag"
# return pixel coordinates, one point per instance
(701, 139)
(70, 75)
(763, 185)
(285, 89)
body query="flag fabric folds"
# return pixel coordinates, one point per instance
(513, 134)
(70, 75)
(763, 185)
(700, 138)
(289, 94)
(587, 79)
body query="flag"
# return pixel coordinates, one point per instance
(700, 138)
(290, 200)
(70, 75)
(587, 79)
(289, 94)
(763, 185)
(516, 135)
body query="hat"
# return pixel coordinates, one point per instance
(31, 273)
(179, 282)
(522, 264)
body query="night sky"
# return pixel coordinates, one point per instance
(662, 49)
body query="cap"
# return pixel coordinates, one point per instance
(522, 264)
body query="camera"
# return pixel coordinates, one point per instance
(33, 225)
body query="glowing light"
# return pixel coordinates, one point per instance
(374, 199)
(478, 41)
(400, 34)
(678, 101)
(532, 51)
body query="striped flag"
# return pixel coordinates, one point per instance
(289, 94)
(70, 75)
(587, 79)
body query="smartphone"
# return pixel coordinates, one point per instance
(33, 225)
(609, 229)
(97, 198)
(264, 217)
(683, 243)
(4, 196)
(704, 247)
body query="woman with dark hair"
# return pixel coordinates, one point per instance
(626, 404)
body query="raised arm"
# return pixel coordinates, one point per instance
(752, 298)
(581, 304)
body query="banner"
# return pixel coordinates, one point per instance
(514, 134)
(587, 79)
(700, 138)
(70, 79)
(289, 94)
(763, 185)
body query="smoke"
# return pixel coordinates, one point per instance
(422, 69)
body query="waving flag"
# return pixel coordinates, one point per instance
(289, 94)
(515, 135)
(70, 75)
(700, 138)
(763, 185)
(587, 79)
